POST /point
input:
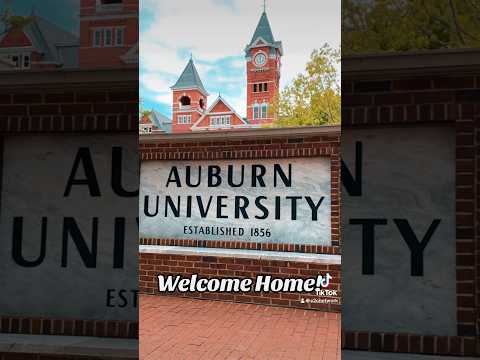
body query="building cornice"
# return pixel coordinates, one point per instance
(248, 134)
(410, 63)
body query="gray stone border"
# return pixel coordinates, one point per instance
(69, 346)
(244, 254)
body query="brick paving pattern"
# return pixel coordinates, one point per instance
(180, 328)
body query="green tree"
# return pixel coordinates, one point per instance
(8, 20)
(312, 98)
(142, 111)
(402, 25)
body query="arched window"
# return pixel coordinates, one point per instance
(202, 104)
(264, 110)
(185, 101)
(256, 109)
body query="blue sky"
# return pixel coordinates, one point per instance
(61, 12)
(216, 32)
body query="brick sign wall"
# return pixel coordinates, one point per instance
(433, 98)
(53, 123)
(260, 145)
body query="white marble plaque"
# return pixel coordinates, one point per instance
(277, 201)
(409, 174)
(58, 282)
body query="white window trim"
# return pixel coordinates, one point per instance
(256, 107)
(20, 60)
(264, 105)
(122, 29)
(29, 61)
(94, 37)
(221, 121)
(112, 44)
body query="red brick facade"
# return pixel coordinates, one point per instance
(194, 111)
(257, 77)
(220, 111)
(399, 94)
(121, 47)
(152, 265)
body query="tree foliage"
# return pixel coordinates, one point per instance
(403, 25)
(8, 20)
(143, 112)
(312, 98)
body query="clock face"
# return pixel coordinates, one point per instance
(260, 59)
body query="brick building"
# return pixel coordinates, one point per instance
(108, 33)
(189, 96)
(39, 44)
(108, 38)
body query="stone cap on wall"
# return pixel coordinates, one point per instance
(66, 77)
(411, 62)
(250, 134)
(243, 254)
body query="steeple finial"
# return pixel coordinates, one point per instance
(264, 6)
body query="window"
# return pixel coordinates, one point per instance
(97, 38)
(16, 60)
(185, 101)
(255, 111)
(26, 61)
(20, 61)
(109, 2)
(264, 110)
(119, 35)
(261, 87)
(201, 103)
(107, 37)
(184, 119)
(220, 121)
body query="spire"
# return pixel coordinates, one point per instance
(263, 30)
(190, 79)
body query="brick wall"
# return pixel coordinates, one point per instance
(399, 93)
(251, 144)
(72, 106)
(152, 265)
(68, 102)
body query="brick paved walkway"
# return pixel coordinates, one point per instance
(177, 328)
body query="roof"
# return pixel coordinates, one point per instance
(264, 32)
(209, 111)
(161, 121)
(190, 79)
(54, 43)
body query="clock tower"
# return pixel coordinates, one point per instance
(263, 56)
